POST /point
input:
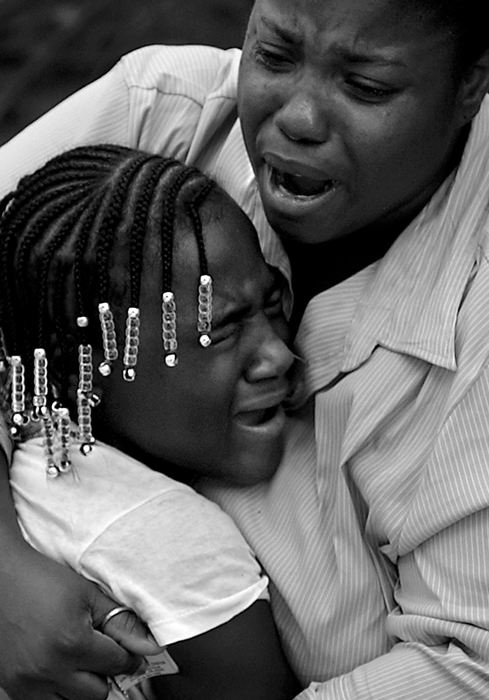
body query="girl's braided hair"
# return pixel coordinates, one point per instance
(65, 224)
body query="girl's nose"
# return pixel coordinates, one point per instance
(272, 357)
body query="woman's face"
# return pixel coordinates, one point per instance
(218, 411)
(350, 112)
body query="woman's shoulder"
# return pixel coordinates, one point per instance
(194, 69)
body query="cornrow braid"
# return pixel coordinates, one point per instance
(85, 225)
(111, 218)
(110, 221)
(50, 214)
(49, 263)
(140, 222)
(180, 175)
(193, 212)
(13, 221)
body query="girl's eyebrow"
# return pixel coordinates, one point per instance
(232, 316)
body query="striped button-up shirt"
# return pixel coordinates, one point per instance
(375, 529)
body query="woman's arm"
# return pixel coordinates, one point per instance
(48, 647)
(240, 660)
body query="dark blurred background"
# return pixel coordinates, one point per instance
(50, 48)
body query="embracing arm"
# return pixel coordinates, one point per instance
(152, 99)
(48, 647)
(95, 114)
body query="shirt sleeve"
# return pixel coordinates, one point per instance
(179, 561)
(152, 99)
(98, 113)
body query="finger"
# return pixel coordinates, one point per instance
(128, 630)
(105, 657)
(86, 686)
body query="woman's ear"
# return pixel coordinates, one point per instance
(474, 87)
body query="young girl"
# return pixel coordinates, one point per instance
(135, 298)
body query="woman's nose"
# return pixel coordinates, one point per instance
(301, 118)
(272, 357)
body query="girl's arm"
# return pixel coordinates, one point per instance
(240, 660)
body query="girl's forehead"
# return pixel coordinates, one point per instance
(230, 248)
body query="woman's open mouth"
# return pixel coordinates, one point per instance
(300, 186)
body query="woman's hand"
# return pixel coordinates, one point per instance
(49, 647)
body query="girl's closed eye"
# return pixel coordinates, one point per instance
(274, 303)
(227, 332)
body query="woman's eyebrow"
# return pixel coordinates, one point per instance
(284, 34)
(372, 57)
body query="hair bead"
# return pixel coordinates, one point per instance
(204, 313)
(131, 345)
(39, 398)
(64, 432)
(19, 417)
(169, 329)
(52, 470)
(109, 340)
(83, 398)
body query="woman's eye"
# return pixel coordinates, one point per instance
(271, 58)
(370, 92)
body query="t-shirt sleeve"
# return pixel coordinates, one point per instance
(179, 561)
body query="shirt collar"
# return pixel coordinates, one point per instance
(408, 301)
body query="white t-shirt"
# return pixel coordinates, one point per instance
(152, 543)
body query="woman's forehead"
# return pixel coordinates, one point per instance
(298, 15)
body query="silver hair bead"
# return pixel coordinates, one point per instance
(204, 310)
(169, 328)
(131, 344)
(109, 340)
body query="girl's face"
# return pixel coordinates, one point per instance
(218, 412)
(350, 113)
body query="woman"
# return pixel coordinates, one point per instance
(364, 137)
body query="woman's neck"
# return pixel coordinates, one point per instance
(316, 268)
